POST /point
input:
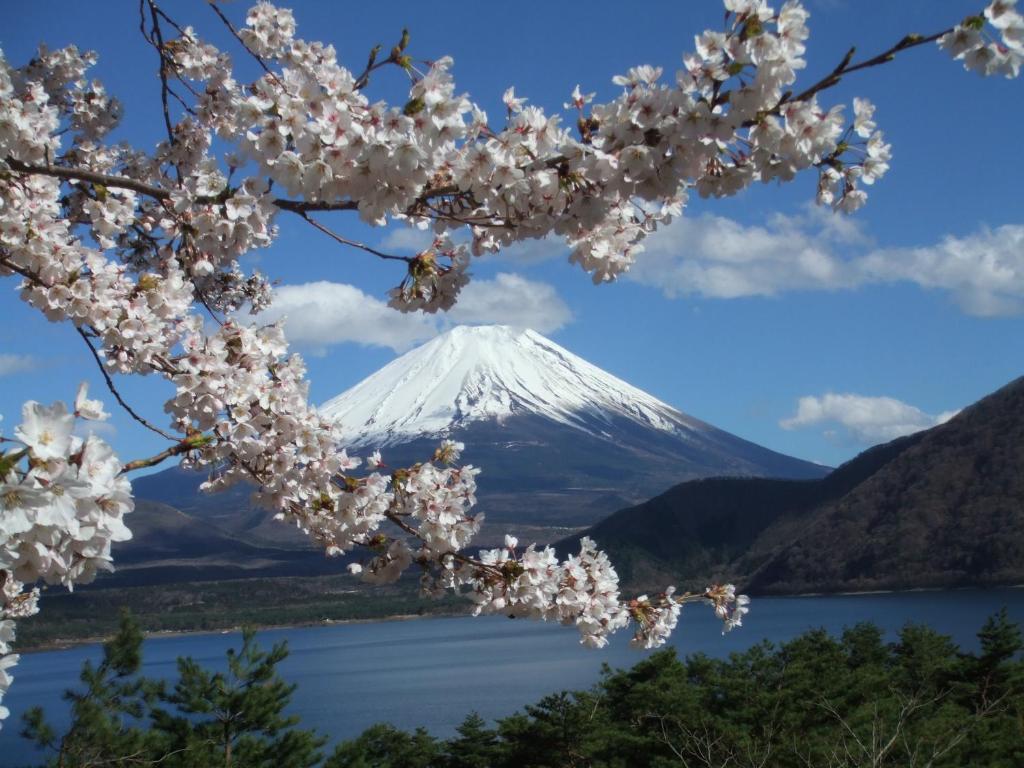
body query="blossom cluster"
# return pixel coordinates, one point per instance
(140, 251)
(62, 503)
(971, 43)
(15, 603)
(436, 161)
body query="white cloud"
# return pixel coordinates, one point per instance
(720, 258)
(866, 419)
(321, 314)
(405, 240)
(984, 271)
(10, 364)
(510, 299)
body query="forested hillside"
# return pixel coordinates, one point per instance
(940, 508)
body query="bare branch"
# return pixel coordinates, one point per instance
(345, 241)
(190, 443)
(113, 389)
(845, 68)
(157, 40)
(304, 206)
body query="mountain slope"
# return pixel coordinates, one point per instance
(171, 546)
(560, 440)
(231, 512)
(949, 511)
(939, 508)
(697, 529)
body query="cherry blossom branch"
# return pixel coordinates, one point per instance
(160, 193)
(83, 174)
(113, 389)
(190, 443)
(307, 206)
(396, 57)
(6, 262)
(234, 33)
(845, 68)
(486, 221)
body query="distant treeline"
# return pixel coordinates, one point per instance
(219, 605)
(815, 702)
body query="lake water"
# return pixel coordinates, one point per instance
(433, 672)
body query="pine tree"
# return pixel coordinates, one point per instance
(476, 746)
(235, 718)
(993, 689)
(107, 715)
(384, 746)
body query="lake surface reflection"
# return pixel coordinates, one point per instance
(433, 672)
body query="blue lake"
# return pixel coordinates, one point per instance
(433, 672)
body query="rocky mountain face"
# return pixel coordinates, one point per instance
(940, 508)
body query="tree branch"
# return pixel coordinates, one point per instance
(845, 68)
(186, 445)
(306, 206)
(113, 389)
(345, 241)
(8, 264)
(83, 174)
(161, 193)
(157, 41)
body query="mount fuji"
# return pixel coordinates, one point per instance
(562, 445)
(561, 442)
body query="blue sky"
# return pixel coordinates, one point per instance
(917, 298)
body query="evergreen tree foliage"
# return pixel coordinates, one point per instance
(106, 712)
(384, 746)
(475, 745)
(231, 719)
(235, 718)
(816, 701)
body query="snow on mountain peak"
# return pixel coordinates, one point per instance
(475, 373)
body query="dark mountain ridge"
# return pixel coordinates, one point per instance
(944, 507)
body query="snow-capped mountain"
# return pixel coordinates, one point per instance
(561, 441)
(489, 373)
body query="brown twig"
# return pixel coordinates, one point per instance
(845, 68)
(6, 262)
(161, 193)
(157, 40)
(113, 389)
(304, 206)
(83, 174)
(345, 241)
(186, 445)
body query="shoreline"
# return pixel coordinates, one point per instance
(64, 644)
